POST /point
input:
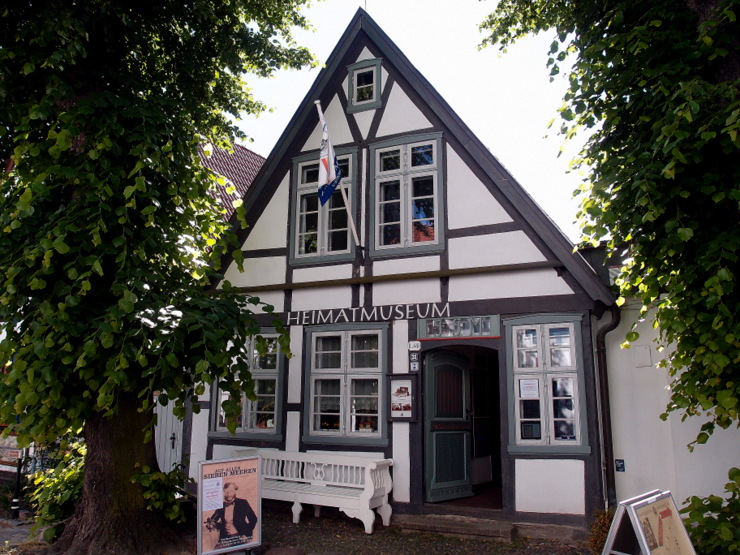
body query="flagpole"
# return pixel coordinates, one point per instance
(341, 185)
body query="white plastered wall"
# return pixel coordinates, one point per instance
(550, 486)
(654, 451)
(469, 202)
(531, 283)
(401, 441)
(268, 232)
(511, 247)
(401, 114)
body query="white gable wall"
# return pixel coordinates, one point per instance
(512, 247)
(533, 283)
(267, 232)
(336, 120)
(469, 202)
(401, 114)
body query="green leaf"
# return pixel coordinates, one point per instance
(60, 246)
(685, 233)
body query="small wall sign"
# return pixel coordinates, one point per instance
(414, 345)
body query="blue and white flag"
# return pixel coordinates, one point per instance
(329, 172)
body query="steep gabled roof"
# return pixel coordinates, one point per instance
(361, 31)
(240, 167)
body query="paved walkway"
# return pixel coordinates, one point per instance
(14, 532)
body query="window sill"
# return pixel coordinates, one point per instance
(250, 436)
(353, 441)
(549, 450)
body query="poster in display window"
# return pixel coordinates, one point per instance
(229, 505)
(403, 404)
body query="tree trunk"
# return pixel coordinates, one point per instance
(111, 517)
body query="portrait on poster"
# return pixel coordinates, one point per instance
(229, 505)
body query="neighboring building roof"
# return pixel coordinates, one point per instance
(240, 167)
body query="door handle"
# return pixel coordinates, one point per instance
(172, 439)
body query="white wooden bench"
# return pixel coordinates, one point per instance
(355, 485)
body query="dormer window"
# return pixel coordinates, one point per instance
(364, 86)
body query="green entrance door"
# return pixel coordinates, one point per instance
(447, 427)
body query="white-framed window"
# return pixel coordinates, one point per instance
(407, 194)
(321, 230)
(258, 415)
(364, 80)
(346, 372)
(546, 383)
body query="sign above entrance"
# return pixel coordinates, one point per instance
(385, 313)
(414, 345)
(463, 327)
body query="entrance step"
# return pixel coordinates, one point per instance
(456, 525)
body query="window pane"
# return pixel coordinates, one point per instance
(526, 338)
(390, 160)
(327, 403)
(530, 408)
(337, 219)
(527, 359)
(344, 166)
(422, 155)
(328, 352)
(364, 89)
(423, 186)
(565, 430)
(364, 405)
(338, 241)
(390, 191)
(559, 336)
(531, 430)
(310, 173)
(268, 359)
(390, 234)
(562, 387)
(365, 351)
(560, 358)
(562, 408)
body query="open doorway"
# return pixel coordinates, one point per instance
(462, 427)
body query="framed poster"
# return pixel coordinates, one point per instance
(648, 524)
(229, 505)
(660, 526)
(403, 402)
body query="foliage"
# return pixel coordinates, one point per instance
(713, 522)
(164, 490)
(54, 492)
(600, 530)
(656, 84)
(109, 227)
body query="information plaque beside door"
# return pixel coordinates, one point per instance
(648, 524)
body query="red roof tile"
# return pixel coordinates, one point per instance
(240, 167)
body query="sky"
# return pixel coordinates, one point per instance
(506, 99)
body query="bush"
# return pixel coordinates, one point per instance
(712, 522)
(600, 530)
(55, 491)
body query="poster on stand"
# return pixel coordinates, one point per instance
(229, 505)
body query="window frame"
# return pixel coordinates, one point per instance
(299, 189)
(346, 374)
(545, 372)
(406, 174)
(250, 407)
(353, 70)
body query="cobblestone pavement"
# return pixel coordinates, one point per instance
(335, 534)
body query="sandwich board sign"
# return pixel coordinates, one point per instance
(648, 524)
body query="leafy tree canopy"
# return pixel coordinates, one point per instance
(656, 83)
(108, 225)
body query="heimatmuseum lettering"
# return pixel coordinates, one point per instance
(369, 314)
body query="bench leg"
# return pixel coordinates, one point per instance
(317, 511)
(385, 512)
(297, 512)
(367, 516)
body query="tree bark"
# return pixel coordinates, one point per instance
(111, 517)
